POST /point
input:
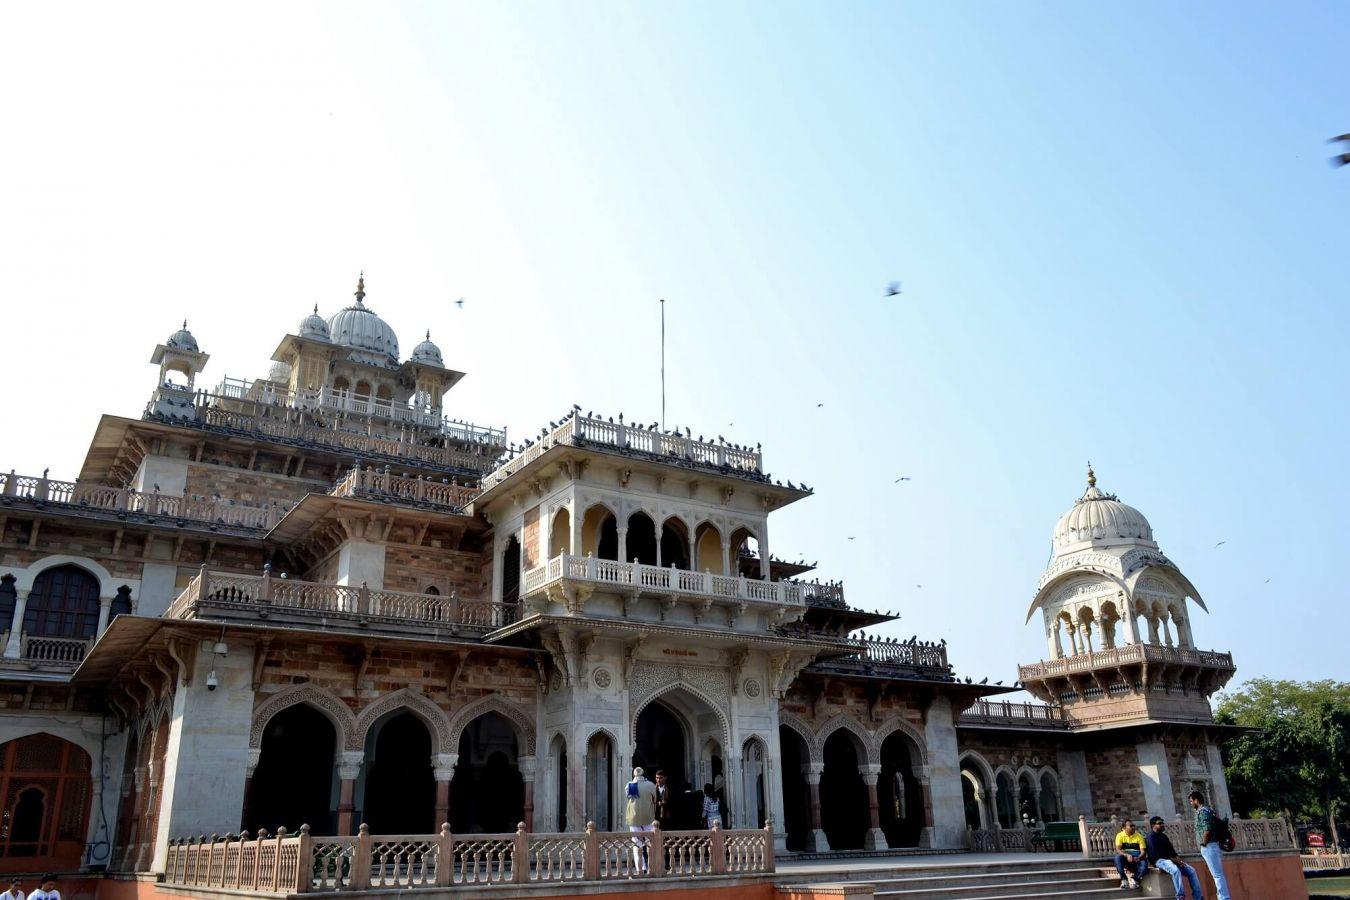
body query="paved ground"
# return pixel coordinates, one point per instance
(835, 867)
(1332, 887)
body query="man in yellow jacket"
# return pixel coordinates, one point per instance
(1131, 862)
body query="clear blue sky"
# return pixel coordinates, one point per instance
(1117, 231)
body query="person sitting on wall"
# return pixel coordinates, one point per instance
(1165, 859)
(1130, 860)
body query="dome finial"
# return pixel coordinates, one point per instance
(1092, 476)
(361, 286)
(185, 324)
(316, 309)
(428, 334)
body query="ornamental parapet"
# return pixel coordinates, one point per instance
(124, 502)
(370, 483)
(214, 594)
(461, 450)
(888, 658)
(1011, 714)
(636, 440)
(1126, 655)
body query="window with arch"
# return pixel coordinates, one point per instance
(63, 603)
(8, 598)
(45, 787)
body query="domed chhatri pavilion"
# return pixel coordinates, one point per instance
(318, 598)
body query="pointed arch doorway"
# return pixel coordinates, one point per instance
(683, 735)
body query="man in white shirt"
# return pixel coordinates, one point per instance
(47, 891)
(15, 891)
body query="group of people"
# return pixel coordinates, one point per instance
(649, 803)
(46, 890)
(1136, 851)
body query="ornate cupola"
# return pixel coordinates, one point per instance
(1117, 618)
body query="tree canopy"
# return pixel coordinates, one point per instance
(1296, 762)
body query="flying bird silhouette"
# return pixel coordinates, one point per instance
(1340, 159)
(893, 289)
(460, 302)
(903, 478)
(1219, 544)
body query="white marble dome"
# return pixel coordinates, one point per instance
(279, 373)
(1098, 517)
(427, 352)
(182, 339)
(313, 326)
(359, 328)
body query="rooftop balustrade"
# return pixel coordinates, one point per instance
(79, 495)
(1011, 713)
(42, 653)
(1124, 655)
(578, 430)
(375, 484)
(213, 594)
(346, 401)
(303, 863)
(665, 581)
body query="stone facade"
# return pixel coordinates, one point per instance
(302, 598)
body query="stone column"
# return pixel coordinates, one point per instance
(104, 607)
(1167, 632)
(349, 769)
(816, 842)
(1131, 627)
(1056, 642)
(254, 754)
(526, 766)
(876, 838)
(948, 829)
(204, 764)
(1152, 629)
(574, 523)
(443, 768)
(726, 558)
(1155, 776)
(576, 788)
(15, 645)
(1218, 782)
(621, 542)
(693, 553)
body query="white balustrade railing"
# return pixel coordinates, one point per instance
(124, 500)
(304, 863)
(1129, 653)
(60, 650)
(657, 579)
(1098, 839)
(906, 653)
(265, 592)
(578, 429)
(1010, 711)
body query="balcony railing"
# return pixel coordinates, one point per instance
(40, 652)
(335, 400)
(733, 588)
(124, 500)
(579, 430)
(1098, 839)
(269, 596)
(1006, 712)
(303, 863)
(920, 654)
(376, 484)
(1130, 653)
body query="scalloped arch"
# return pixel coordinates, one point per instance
(894, 726)
(326, 702)
(852, 726)
(803, 731)
(692, 691)
(519, 719)
(415, 702)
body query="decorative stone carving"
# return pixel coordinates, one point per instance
(344, 722)
(602, 678)
(752, 687)
(416, 703)
(650, 679)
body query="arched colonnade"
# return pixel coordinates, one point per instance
(1004, 797)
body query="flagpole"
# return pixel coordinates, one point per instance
(663, 363)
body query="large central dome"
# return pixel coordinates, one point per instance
(1100, 518)
(359, 328)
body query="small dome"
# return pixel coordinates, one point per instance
(313, 326)
(427, 352)
(1100, 517)
(182, 339)
(360, 329)
(280, 373)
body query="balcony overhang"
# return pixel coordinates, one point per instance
(714, 637)
(318, 511)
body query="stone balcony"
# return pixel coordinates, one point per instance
(1117, 673)
(124, 503)
(38, 653)
(375, 484)
(573, 579)
(883, 658)
(225, 595)
(637, 440)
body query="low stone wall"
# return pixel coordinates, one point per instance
(1253, 875)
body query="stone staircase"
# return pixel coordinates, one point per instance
(1076, 879)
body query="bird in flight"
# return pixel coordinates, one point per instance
(1219, 544)
(852, 537)
(893, 289)
(460, 302)
(918, 586)
(1267, 581)
(903, 478)
(1340, 159)
(819, 405)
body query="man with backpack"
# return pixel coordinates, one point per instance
(1211, 830)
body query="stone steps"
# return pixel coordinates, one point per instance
(1021, 880)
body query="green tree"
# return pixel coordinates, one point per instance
(1295, 760)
